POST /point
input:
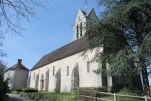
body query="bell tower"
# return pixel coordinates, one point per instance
(82, 22)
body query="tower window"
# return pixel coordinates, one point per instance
(90, 23)
(77, 32)
(80, 29)
(67, 70)
(79, 18)
(88, 66)
(53, 70)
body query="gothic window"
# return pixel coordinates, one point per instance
(42, 77)
(42, 82)
(34, 77)
(47, 80)
(37, 81)
(53, 70)
(77, 32)
(88, 66)
(80, 29)
(67, 70)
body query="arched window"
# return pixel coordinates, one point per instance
(53, 70)
(42, 77)
(80, 29)
(88, 66)
(77, 32)
(47, 80)
(34, 77)
(42, 82)
(67, 70)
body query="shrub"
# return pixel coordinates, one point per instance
(14, 92)
(76, 92)
(37, 97)
(130, 91)
(18, 89)
(45, 96)
(29, 90)
(90, 90)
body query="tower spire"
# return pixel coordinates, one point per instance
(82, 21)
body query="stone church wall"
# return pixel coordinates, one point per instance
(86, 78)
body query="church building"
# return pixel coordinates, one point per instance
(65, 68)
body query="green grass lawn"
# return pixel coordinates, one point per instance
(120, 98)
(107, 97)
(48, 96)
(61, 95)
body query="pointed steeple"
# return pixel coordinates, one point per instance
(82, 21)
(91, 14)
(81, 14)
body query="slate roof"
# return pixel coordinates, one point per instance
(63, 52)
(83, 12)
(86, 14)
(16, 66)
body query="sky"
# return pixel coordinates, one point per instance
(51, 29)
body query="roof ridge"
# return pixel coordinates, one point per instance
(84, 13)
(89, 11)
(15, 67)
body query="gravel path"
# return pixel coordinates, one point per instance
(17, 98)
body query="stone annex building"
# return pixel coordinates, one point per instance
(17, 75)
(65, 68)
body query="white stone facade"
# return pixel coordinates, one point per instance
(9, 75)
(86, 78)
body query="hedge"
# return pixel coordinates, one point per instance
(26, 90)
(18, 89)
(29, 90)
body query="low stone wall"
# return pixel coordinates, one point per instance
(80, 92)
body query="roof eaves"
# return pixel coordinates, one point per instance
(58, 59)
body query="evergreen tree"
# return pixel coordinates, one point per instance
(124, 32)
(4, 90)
(3, 84)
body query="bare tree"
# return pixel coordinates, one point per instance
(2, 68)
(12, 12)
(1, 45)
